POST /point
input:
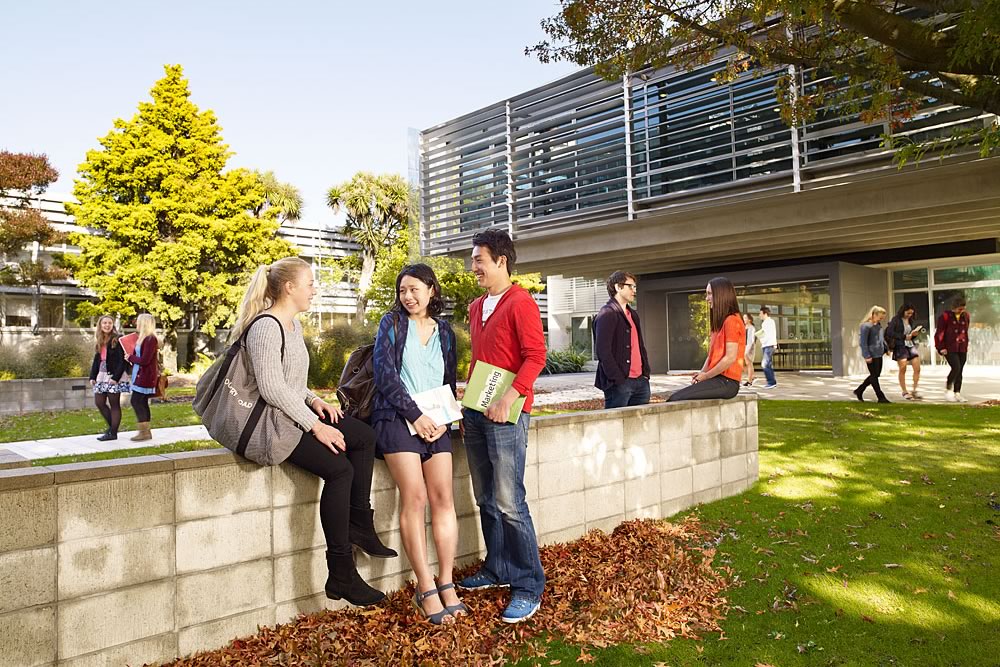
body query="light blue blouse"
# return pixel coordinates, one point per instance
(423, 365)
(135, 373)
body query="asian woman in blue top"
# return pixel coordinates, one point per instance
(415, 352)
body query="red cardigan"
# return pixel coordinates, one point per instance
(149, 371)
(511, 338)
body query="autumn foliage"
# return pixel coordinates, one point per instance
(648, 581)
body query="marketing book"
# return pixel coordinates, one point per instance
(487, 384)
(439, 404)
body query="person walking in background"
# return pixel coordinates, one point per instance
(622, 363)
(900, 337)
(108, 374)
(506, 328)
(951, 340)
(145, 372)
(751, 347)
(415, 351)
(872, 348)
(768, 345)
(335, 447)
(721, 373)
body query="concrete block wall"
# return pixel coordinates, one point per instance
(144, 559)
(22, 396)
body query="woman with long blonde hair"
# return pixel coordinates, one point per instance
(108, 374)
(872, 348)
(145, 372)
(333, 446)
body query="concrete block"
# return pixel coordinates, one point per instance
(707, 475)
(286, 612)
(752, 443)
(669, 508)
(559, 512)
(470, 536)
(219, 593)
(734, 468)
(151, 651)
(27, 578)
(115, 561)
(676, 483)
(90, 471)
(381, 478)
(299, 575)
(224, 540)
(753, 466)
(651, 512)
(603, 436)
(640, 493)
(386, 505)
(641, 429)
(373, 568)
(706, 447)
(676, 453)
(219, 633)
(562, 536)
(221, 490)
(604, 501)
(642, 460)
(732, 442)
(734, 488)
(102, 621)
(675, 425)
(465, 499)
(28, 518)
(556, 478)
(532, 482)
(732, 415)
(601, 467)
(297, 527)
(460, 458)
(752, 413)
(559, 442)
(292, 485)
(118, 505)
(28, 637)
(606, 524)
(392, 583)
(706, 420)
(708, 495)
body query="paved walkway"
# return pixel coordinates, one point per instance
(980, 385)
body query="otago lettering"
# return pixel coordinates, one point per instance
(236, 394)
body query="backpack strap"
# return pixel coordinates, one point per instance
(238, 345)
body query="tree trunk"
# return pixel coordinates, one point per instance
(365, 282)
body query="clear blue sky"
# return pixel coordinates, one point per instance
(314, 91)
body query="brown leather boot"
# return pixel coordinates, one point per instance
(143, 434)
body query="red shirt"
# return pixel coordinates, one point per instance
(732, 331)
(511, 338)
(635, 363)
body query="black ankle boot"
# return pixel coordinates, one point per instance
(108, 435)
(363, 535)
(345, 582)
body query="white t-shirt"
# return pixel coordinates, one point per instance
(769, 333)
(490, 304)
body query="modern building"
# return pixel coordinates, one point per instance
(677, 178)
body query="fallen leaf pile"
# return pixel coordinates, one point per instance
(648, 581)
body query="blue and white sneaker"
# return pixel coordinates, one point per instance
(520, 609)
(480, 581)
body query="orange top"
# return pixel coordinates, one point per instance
(732, 331)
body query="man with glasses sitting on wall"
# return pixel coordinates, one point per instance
(623, 367)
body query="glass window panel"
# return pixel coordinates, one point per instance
(17, 310)
(909, 279)
(50, 313)
(73, 317)
(967, 274)
(581, 337)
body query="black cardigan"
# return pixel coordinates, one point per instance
(117, 366)
(613, 341)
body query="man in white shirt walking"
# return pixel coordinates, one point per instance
(769, 343)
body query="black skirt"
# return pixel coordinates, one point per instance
(393, 437)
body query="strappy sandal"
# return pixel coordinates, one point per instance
(436, 618)
(455, 610)
(907, 395)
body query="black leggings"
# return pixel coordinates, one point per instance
(347, 477)
(715, 387)
(140, 403)
(110, 407)
(874, 371)
(957, 362)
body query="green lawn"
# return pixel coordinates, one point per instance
(182, 446)
(871, 539)
(41, 425)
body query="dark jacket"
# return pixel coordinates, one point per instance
(613, 340)
(895, 332)
(870, 340)
(391, 397)
(118, 368)
(149, 369)
(951, 333)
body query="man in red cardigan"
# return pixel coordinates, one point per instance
(506, 329)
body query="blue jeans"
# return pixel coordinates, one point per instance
(767, 363)
(496, 454)
(633, 391)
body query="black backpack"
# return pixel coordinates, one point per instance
(356, 390)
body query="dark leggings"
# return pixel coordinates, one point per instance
(957, 362)
(347, 477)
(140, 403)
(874, 371)
(715, 387)
(110, 407)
